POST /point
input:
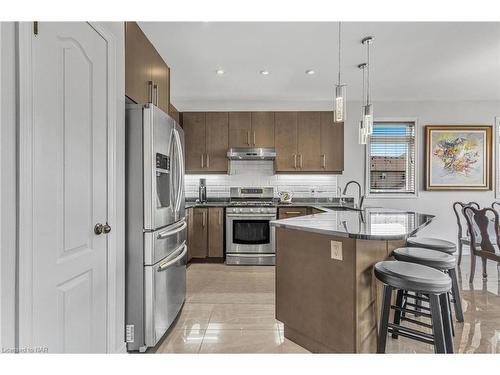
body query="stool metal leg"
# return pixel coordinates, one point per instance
(447, 329)
(455, 290)
(437, 324)
(448, 298)
(397, 313)
(384, 318)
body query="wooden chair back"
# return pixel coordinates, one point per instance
(483, 225)
(461, 222)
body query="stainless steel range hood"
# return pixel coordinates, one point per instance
(251, 153)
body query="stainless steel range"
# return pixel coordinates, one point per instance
(249, 235)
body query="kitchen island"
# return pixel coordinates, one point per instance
(326, 294)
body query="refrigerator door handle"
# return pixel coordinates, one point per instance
(171, 232)
(180, 170)
(167, 264)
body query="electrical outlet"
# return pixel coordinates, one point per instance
(336, 250)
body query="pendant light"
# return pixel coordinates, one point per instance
(340, 89)
(368, 107)
(363, 136)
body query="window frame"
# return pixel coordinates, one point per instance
(413, 195)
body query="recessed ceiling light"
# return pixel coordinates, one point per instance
(220, 72)
(310, 72)
(264, 72)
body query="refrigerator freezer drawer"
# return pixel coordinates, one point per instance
(165, 292)
(161, 243)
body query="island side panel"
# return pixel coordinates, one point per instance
(369, 290)
(368, 252)
(315, 294)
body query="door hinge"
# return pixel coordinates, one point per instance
(35, 28)
(129, 333)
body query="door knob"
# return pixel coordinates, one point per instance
(106, 228)
(99, 228)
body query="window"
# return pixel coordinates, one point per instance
(391, 158)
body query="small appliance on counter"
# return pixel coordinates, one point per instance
(285, 196)
(202, 191)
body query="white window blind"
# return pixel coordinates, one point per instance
(391, 158)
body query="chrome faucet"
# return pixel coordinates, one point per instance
(361, 197)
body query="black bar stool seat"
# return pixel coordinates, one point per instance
(427, 257)
(432, 243)
(433, 286)
(413, 277)
(435, 259)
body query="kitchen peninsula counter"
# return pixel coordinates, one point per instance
(326, 294)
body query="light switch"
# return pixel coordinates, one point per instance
(336, 250)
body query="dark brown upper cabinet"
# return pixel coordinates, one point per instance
(262, 132)
(206, 141)
(147, 76)
(308, 141)
(285, 141)
(194, 141)
(240, 129)
(332, 144)
(216, 131)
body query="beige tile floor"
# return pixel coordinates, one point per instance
(230, 309)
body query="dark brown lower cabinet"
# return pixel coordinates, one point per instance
(205, 233)
(215, 232)
(198, 236)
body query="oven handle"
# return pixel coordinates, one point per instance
(256, 255)
(251, 215)
(168, 233)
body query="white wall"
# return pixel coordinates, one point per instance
(438, 203)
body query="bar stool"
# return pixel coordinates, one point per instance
(438, 260)
(433, 285)
(432, 243)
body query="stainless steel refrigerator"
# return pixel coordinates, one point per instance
(156, 228)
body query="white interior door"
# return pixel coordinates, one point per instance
(68, 160)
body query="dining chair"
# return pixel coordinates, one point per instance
(463, 236)
(483, 225)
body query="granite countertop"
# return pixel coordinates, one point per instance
(319, 203)
(368, 224)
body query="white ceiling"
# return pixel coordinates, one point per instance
(411, 61)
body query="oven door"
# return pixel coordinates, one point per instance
(250, 233)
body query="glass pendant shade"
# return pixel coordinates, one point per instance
(368, 119)
(340, 103)
(363, 137)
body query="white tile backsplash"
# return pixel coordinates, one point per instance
(248, 173)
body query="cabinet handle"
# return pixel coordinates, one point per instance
(208, 161)
(157, 94)
(295, 161)
(220, 217)
(300, 156)
(203, 216)
(254, 138)
(248, 137)
(202, 156)
(150, 91)
(323, 164)
(293, 213)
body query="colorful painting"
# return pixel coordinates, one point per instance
(458, 157)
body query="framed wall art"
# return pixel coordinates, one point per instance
(458, 157)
